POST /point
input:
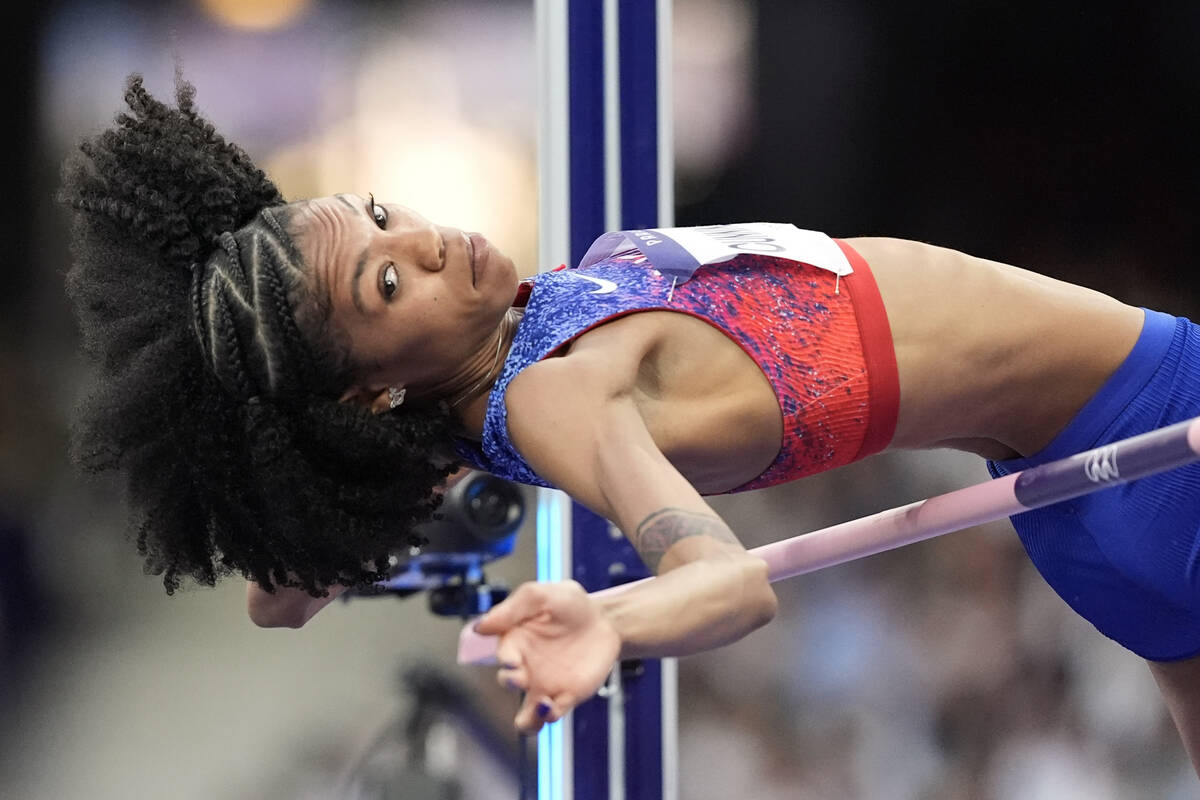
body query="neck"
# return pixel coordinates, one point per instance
(467, 392)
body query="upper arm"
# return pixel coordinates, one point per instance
(575, 422)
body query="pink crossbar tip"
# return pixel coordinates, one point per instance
(475, 648)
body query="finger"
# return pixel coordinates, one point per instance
(512, 679)
(512, 673)
(534, 713)
(559, 707)
(522, 604)
(509, 655)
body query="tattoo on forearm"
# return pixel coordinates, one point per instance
(657, 532)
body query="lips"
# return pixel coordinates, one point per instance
(479, 250)
(470, 255)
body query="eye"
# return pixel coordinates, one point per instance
(378, 212)
(389, 281)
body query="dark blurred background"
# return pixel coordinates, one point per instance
(1058, 137)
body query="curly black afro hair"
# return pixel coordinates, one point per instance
(228, 469)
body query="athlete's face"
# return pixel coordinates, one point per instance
(415, 300)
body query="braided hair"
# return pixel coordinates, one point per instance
(217, 371)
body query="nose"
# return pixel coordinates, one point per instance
(438, 244)
(424, 244)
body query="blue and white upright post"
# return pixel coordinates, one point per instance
(604, 156)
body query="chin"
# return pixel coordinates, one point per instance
(509, 277)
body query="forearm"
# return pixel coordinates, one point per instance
(708, 591)
(695, 607)
(1179, 682)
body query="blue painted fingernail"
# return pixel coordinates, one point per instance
(543, 709)
(510, 683)
(507, 665)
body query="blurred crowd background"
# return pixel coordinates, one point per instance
(1059, 137)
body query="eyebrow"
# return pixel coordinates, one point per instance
(361, 266)
(355, 292)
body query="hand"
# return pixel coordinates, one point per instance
(555, 645)
(287, 606)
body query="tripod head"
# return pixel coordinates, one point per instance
(477, 523)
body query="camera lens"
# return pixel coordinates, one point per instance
(488, 509)
(493, 504)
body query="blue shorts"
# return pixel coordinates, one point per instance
(1127, 558)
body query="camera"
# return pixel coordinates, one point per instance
(478, 522)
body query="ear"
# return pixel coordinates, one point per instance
(372, 398)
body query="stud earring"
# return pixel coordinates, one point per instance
(396, 396)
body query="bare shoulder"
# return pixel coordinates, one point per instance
(595, 366)
(563, 410)
(600, 365)
(575, 421)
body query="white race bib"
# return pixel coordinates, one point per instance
(679, 252)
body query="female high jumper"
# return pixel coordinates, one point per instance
(285, 386)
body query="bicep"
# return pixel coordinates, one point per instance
(587, 437)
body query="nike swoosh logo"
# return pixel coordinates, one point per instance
(606, 286)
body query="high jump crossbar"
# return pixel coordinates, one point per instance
(1054, 482)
